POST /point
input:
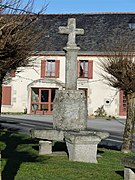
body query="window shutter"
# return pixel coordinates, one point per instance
(57, 68)
(122, 104)
(43, 64)
(6, 95)
(90, 69)
(78, 68)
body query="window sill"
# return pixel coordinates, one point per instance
(83, 79)
(54, 77)
(7, 105)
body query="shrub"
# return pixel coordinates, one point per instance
(100, 112)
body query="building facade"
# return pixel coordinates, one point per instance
(33, 88)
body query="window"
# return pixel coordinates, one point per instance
(6, 95)
(85, 69)
(50, 68)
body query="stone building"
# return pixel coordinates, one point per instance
(33, 88)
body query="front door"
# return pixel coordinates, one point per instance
(42, 100)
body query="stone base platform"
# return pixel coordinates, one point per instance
(81, 145)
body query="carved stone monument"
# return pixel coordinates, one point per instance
(70, 109)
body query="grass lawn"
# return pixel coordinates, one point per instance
(20, 161)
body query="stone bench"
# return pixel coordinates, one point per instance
(129, 167)
(46, 138)
(48, 134)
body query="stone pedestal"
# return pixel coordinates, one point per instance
(45, 147)
(70, 110)
(129, 174)
(82, 146)
(129, 170)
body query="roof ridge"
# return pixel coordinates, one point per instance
(91, 13)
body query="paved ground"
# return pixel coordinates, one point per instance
(24, 123)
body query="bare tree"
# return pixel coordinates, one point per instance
(119, 67)
(18, 36)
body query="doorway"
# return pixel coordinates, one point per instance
(42, 100)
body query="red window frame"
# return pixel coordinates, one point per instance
(82, 71)
(6, 95)
(44, 73)
(42, 107)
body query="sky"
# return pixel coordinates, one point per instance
(86, 6)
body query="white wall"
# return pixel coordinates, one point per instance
(98, 91)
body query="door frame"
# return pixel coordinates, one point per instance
(45, 103)
(39, 103)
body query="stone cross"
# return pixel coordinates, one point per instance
(71, 53)
(72, 31)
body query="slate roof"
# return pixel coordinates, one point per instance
(98, 27)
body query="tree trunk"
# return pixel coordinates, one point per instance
(0, 95)
(129, 126)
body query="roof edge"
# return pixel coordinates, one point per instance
(89, 13)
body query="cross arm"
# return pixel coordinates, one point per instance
(79, 31)
(63, 30)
